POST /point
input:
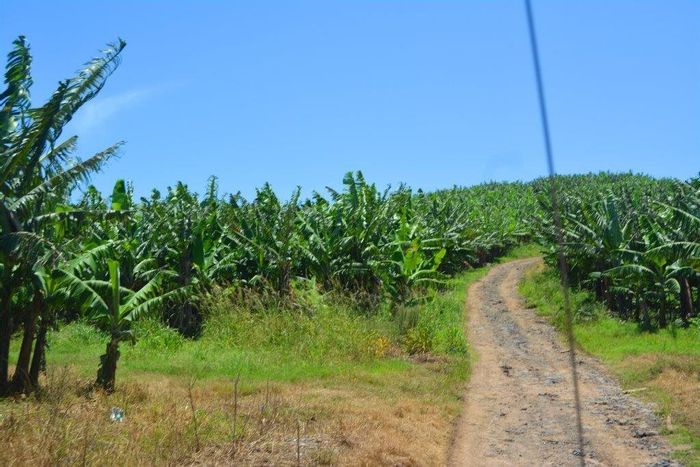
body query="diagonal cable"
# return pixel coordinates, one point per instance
(556, 214)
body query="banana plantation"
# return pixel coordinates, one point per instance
(69, 252)
(634, 241)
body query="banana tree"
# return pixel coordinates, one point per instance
(658, 278)
(36, 172)
(114, 308)
(682, 224)
(51, 291)
(413, 261)
(265, 234)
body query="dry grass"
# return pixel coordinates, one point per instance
(672, 382)
(683, 404)
(360, 419)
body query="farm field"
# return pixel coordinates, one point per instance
(182, 327)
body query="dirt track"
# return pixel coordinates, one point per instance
(519, 404)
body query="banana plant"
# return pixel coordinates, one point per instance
(51, 292)
(265, 235)
(413, 261)
(660, 281)
(36, 171)
(113, 308)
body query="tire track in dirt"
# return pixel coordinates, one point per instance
(519, 406)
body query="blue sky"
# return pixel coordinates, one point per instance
(431, 93)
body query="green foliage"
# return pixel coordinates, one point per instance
(599, 333)
(322, 334)
(37, 175)
(543, 291)
(318, 327)
(76, 336)
(632, 240)
(371, 245)
(151, 335)
(437, 326)
(275, 345)
(121, 199)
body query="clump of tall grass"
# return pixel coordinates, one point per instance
(314, 325)
(333, 325)
(152, 335)
(436, 324)
(542, 288)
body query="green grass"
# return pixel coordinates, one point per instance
(599, 333)
(630, 340)
(666, 363)
(326, 337)
(259, 348)
(278, 345)
(527, 250)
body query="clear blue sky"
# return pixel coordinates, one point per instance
(431, 93)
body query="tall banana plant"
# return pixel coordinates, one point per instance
(633, 240)
(265, 235)
(413, 262)
(113, 308)
(181, 234)
(36, 173)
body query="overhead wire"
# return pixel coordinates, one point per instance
(558, 231)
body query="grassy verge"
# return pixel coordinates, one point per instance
(324, 383)
(663, 366)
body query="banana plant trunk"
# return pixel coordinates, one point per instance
(21, 382)
(697, 296)
(663, 317)
(645, 313)
(686, 299)
(284, 282)
(5, 335)
(107, 372)
(609, 301)
(599, 289)
(38, 360)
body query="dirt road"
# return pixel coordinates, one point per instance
(519, 404)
